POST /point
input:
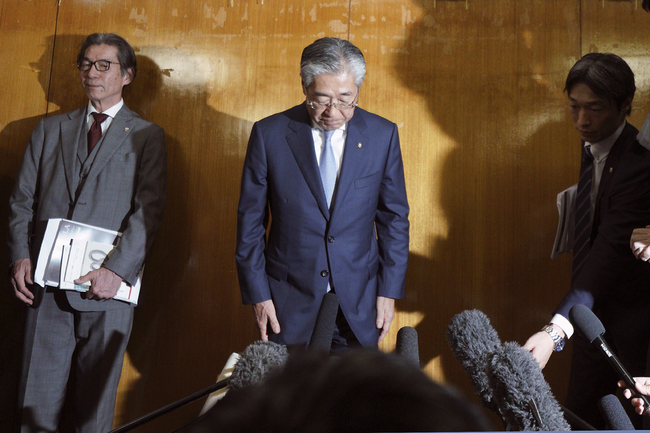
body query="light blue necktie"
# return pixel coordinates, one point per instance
(327, 167)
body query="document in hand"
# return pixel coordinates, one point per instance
(71, 249)
(566, 203)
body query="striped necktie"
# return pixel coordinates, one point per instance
(582, 233)
(327, 167)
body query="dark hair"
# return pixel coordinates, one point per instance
(607, 75)
(125, 53)
(332, 56)
(646, 5)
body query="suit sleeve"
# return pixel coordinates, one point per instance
(25, 196)
(610, 262)
(392, 225)
(148, 201)
(252, 217)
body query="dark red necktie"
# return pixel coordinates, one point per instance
(95, 132)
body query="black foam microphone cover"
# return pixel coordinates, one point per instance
(407, 344)
(611, 409)
(321, 338)
(586, 321)
(473, 340)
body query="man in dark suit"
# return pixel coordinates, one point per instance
(615, 185)
(117, 184)
(331, 176)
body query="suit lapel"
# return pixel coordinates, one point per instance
(611, 162)
(301, 143)
(70, 137)
(117, 132)
(611, 165)
(356, 148)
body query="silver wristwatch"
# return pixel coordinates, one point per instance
(557, 338)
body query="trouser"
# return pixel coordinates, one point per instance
(83, 348)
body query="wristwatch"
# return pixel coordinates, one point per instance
(557, 339)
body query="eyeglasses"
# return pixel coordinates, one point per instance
(341, 106)
(100, 65)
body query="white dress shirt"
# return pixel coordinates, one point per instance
(111, 112)
(337, 141)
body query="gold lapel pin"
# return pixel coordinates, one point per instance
(126, 129)
(611, 169)
(359, 145)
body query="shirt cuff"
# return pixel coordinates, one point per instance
(563, 323)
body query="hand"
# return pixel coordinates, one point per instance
(642, 385)
(265, 315)
(385, 315)
(21, 275)
(639, 243)
(104, 283)
(541, 345)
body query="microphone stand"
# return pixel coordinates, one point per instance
(170, 407)
(576, 420)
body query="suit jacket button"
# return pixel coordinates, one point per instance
(324, 274)
(330, 239)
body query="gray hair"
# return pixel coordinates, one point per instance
(332, 56)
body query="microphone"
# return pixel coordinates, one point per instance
(321, 338)
(253, 366)
(592, 329)
(473, 340)
(255, 363)
(407, 345)
(611, 409)
(523, 396)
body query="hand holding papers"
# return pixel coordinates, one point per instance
(70, 250)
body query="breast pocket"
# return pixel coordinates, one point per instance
(365, 182)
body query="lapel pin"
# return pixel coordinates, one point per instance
(126, 129)
(611, 169)
(359, 145)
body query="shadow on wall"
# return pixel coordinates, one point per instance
(13, 140)
(499, 183)
(184, 326)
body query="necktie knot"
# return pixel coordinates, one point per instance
(586, 153)
(99, 117)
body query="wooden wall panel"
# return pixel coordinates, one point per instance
(474, 86)
(618, 27)
(208, 71)
(476, 89)
(26, 43)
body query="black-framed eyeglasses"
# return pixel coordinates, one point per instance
(100, 65)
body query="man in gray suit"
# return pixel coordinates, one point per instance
(101, 165)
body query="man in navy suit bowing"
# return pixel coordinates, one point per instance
(329, 177)
(615, 184)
